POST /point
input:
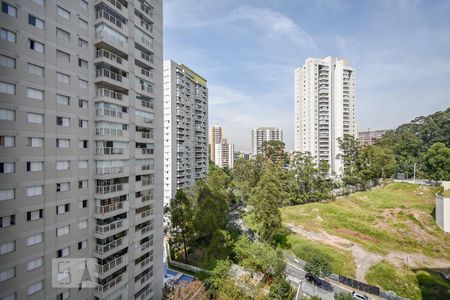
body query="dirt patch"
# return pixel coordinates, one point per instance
(356, 234)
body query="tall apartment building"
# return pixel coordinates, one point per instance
(185, 128)
(370, 137)
(81, 153)
(215, 137)
(224, 154)
(264, 134)
(324, 108)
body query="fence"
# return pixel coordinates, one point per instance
(181, 265)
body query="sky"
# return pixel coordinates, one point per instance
(248, 51)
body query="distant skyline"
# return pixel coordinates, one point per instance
(248, 51)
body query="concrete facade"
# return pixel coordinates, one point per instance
(215, 137)
(324, 108)
(185, 128)
(370, 137)
(264, 134)
(224, 154)
(443, 212)
(81, 111)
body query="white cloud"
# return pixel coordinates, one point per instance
(219, 95)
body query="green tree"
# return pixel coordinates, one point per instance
(349, 154)
(246, 175)
(274, 152)
(343, 296)
(221, 286)
(220, 240)
(375, 162)
(181, 229)
(280, 289)
(437, 162)
(318, 266)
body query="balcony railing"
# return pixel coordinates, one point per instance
(105, 15)
(145, 245)
(146, 103)
(147, 213)
(146, 72)
(147, 10)
(102, 92)
(147, 151)
(110, 188)
(146, 57)
(147, 229)
(111, 151)
(109, 113)
(108, 36)
(107, 73)
(112, 283)
(110, 170)
(144, 119)
(108, 132)
(116, 4)
(106, 54)
(108, 247)
(147, 135)
(102, 269)
(101, 229)
(103, 209)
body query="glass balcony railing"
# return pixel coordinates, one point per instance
(111, 151)
(102, 92)
(103, 14)
(101, 249)
(108, 132)
(102, 269)
(109, 113)
(109, 74)
(110, 188)
(103, 209)
(102, 229)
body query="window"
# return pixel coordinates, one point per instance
(35, 118)
(36, 22)
(82, 224)
(9, 9)
(35, 166)
(7, 62)
(63, 208)
(32, 289)
(63, 165)
(63, 121)
(82, 164)
(83, 4)
(61, 55)
(7, 114)
(36, 46)
(7, 88)
(35, 215)
(7, 194)
(64, 78)
(82, 184)
(37, 190)
(62, 34)
(63, 12)
(83, 204)
(40, 2)
(63, 187)
(62, 143)
(8, 35)
(83, 123)
(36, 70)
(8, 274)
(82, 43)
(83, 83)
(7, 247)
(34, 239)
(63, 252)
(82, 103)
(82, 63)
(64, 295)
(82, 244)
(7, 167)
(35, 263)
(35, 94)
(83, 23)
(83, 144)
(61, 99)
(7, 141)
(7, 221)
(35, 142)
(64, 230)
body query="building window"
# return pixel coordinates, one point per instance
(7, 141)
(63, 121)
(82, 63)
(35, 263)
(35, 166)
(82, 164)
(7, 114)
(61, 99)
(63, 187)
(35, 215)
(36, 70)
(36, 46)
(83, 23)
(82, 43)
(82, 184)
(82, 224)
(61, 55)
(9, 9)
(64, 78)
(7, 194)
(63, 34)
(83, 4)
(8, 274)
(83, 83)
(36, 22)
(62, 143)
(7, 88)
(83, 144)
(82, 244)
(32, 289)
(62, 209)
(35, 94)
(64, 295)
(83, 204)
(63, 12)
(7, 221)
(34, 239)
(40, 2)
(63, 252)
(7, 62)
(82, 103)
(8, 35)
(35, 118)
(83, 123)
(63, 165)
(33, 191)
(7, 247)
(35, 142)
(7, 167)
(64, 230)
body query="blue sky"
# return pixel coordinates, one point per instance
(248, 50)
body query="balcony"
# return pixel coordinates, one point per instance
(111, 115)
(112, 266)
(105, 211)
(143, 120)
(110, 189)
(146, 73)
(116, 5)
(143, 200)
(103, 231)
(103, 55)
(111, 77)
(107, 249)
(143, 248)
(141, 266)
(111, 170)
(108, 287)
(103, 94)
(145, 8)
(146, 57)
(144, 216)
(140, 283)
(110, 132)
(106, 37)
(143, 232)
(111, 151)
(104, 16)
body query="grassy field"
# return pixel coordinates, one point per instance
(413, 284)
(397, 217)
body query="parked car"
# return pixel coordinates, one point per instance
(313, 279)
(359, 296)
